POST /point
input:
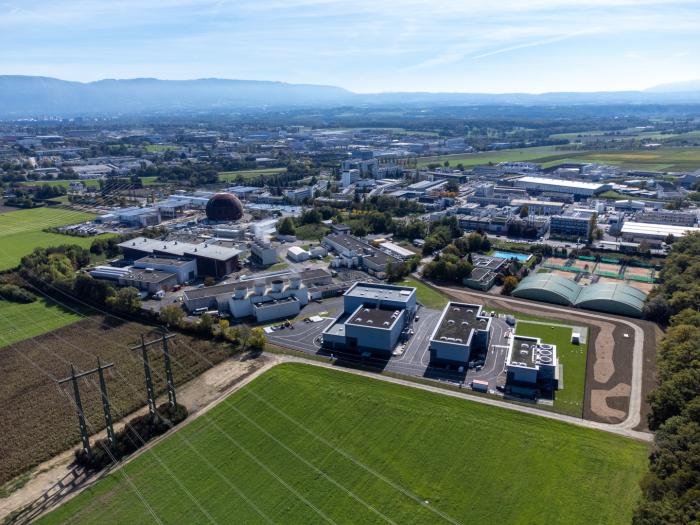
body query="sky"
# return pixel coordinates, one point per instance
(366, 46)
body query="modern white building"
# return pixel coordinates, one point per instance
(263, 253)
(298, 254)
(280, 299)
(653, 233)
(532, 367)
(374, 318)
(460, 334)
(576, 188)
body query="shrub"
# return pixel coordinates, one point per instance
(15, 294)
(135, 434)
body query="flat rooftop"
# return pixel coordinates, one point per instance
(530, 352)
(374, 317)
(180, 248)
(562, 183)
(170, 261)
(659, 230)
(140, 274)
(457, 323)
(488, 262)
(381, 291)
(269, 304)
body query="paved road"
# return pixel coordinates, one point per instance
(635, 405)
(619, 429)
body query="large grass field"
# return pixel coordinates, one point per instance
(571, 356)
(248, 175)
(89, 183)
(474, 159)
(14, 317)
(21, 232)
(426, 295)
(307, 445)
(662, 159)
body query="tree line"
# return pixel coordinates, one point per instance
(671, 487)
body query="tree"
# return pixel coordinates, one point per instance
(592, 227)
(125, 301)
(172, 315)
(205, 324)
(509, 284)
(452, 186)
(524, 211)
(257, 340)
(286, 226)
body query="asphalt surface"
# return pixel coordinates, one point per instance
(414, 359)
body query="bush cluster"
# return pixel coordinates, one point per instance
(139, 431)
(15, 294)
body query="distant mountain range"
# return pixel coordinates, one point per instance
(26, 96)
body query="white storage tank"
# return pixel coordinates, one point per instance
(277, 285)
(260, 288)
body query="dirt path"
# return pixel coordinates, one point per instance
(55, 481)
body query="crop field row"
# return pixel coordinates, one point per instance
(21, 232)
(42, 422)
(302, 444)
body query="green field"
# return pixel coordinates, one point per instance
(248, 175)
(474, 159)
(21, 232)
(158, 148)
(18, 321)
(571, 356)
(307, 445)
(89, 183)
(311, 232)
(662, 159)
(426, 295)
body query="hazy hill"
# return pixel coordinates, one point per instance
(27, 96)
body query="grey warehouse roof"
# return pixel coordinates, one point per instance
(612, 297)
(548, 287)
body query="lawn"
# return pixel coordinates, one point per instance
(90, 183)
(21, 232)
(302, 444)
(427, 295)
(571, 356)
(14, 317)
(311, 232)
(474, 159)
(662, 159)
(248, 175)
(158, 148)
